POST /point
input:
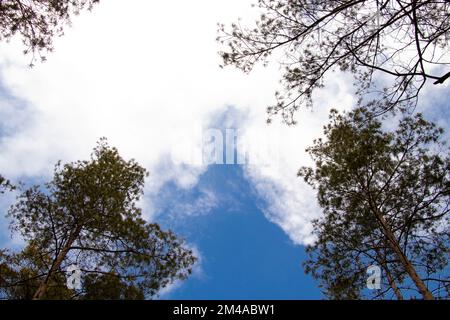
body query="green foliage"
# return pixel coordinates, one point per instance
(109, 287)
(87, 215)
(402, 40)
(364, 176)
(38, 21)
(21, 274)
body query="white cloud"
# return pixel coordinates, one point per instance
(291, 202)
(145, 74)
(200, 206)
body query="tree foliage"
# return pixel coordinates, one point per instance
(386, 198)
(5, 185)
(405, 41)
(38, 21)
(87, 216)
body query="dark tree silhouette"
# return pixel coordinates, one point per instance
(406, 42)
(87, 216)
(38, 21)
(386, 201)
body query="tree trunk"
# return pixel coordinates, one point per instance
(56, 264)
(409, 268)
(393, 285)
(382, 261)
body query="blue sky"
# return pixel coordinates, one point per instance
(243, 255)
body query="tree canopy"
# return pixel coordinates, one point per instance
(385, 196)
(405, 42)
(88, 216)
(38, 21)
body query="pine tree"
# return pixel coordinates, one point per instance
(88, 216)
(386, 198)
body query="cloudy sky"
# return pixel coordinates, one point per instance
(146, 75)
